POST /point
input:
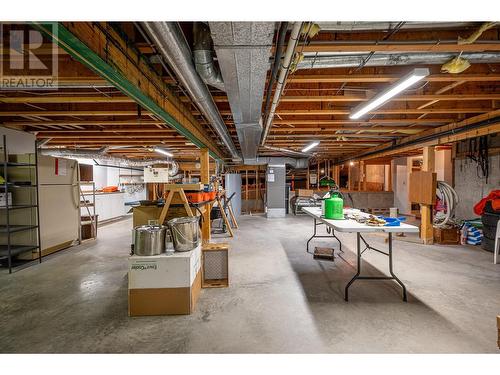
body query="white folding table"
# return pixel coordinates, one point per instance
(352, 226)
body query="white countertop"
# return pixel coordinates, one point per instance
(351, 226)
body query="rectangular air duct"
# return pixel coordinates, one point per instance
(243, 50)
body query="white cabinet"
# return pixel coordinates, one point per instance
(108, 206)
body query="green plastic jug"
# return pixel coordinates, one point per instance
(334, 207)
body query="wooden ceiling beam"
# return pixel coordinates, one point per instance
(380, 151)
(123, 131)
(366, 122)
(101, 48)
(404, 98)
(332, 131)
(408, 111)
(86, 123)
(72, 113)
(66, 99)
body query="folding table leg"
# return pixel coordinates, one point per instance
(358, 248)
(314, 235)
(392, 272)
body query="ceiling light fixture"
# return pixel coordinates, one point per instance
(311, 146)
(411, 78)
(163, 152)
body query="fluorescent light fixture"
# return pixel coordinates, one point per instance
(312, 145)
(411, 78)
(351, 163)
(163, 152)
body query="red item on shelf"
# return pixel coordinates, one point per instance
(494, 197)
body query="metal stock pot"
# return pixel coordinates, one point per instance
(149, 239)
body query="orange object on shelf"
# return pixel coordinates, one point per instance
(212, 195)
(110, 189)
(206, 196)
(195, 197)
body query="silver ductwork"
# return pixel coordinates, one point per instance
(369, 26)
(283, 73)
(170, 41)
(100, 156)
(287, 151)
(297, 163)
(243, 50)
(348, 60)
(204, 56)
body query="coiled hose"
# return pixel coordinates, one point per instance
(449, 197)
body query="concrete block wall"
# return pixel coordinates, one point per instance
(470, 188)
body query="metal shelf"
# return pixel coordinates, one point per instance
(9, 250)
(18, 206)
(15, 185)
(16, 249)
(16, 164)
(16, 228)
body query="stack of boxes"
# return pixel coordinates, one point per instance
(471, 235)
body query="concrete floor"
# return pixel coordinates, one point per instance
(280, 300)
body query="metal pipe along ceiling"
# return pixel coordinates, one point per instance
(387, 26)
(171, 43)
(290, 50)
(101, 156)
(203, 56)
(348, 60)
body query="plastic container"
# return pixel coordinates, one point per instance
(195, 197)
(334, 207)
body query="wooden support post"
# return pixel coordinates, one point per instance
(389, 187)
(224, 216)
(205, 179)
(349, 177)
(426, 229)
(362, 174)
(308, 175)
(317, 176)
(257, 189)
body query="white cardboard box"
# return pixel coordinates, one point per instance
(5, 202)
(178, 270)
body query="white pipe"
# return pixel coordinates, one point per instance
(280, 85)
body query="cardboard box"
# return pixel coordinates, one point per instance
(304, 192)
(164, 284)
(142, 214)
(5, 199)
(449, 236)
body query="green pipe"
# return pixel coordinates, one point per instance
(78, 50)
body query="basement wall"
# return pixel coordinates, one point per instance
(470, 188)
(443, 166)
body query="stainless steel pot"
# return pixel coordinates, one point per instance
(185, 232)
(149, 239)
